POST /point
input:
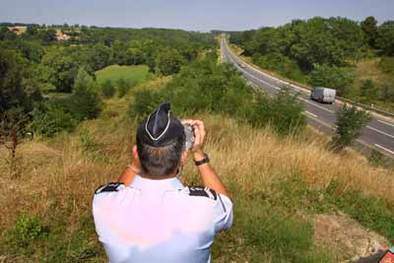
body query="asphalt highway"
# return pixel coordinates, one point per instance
(378, 134)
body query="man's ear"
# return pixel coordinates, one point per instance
(135, 153)
(184, 155)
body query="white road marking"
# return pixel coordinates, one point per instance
(384, 148)
(311, 114)
(318, 106)
(277, 88)
(387, 123)
(379, 131)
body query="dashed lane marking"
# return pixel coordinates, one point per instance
(385, 122)
(381, 132)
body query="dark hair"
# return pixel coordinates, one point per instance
(160, 161)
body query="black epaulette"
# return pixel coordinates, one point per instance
(202, 191)
(110, 187)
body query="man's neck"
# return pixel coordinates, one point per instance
(158, 177)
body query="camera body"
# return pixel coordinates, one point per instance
(189, 134)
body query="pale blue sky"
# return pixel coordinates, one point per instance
(202, 15)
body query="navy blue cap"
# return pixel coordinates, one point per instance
(161, 127)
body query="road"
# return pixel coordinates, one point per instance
(378, 134)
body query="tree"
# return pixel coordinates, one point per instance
(169, 61)
(85, 103)
(48, 36)
(99, 56)
(119, 51)
(12, 128)
(16, 101)
(349, 123)
(135, 56)
(385, 40)
(107, 89)
(63, 69)
(370, 29)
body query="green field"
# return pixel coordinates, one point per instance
(128, 73)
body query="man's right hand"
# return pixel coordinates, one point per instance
(199, 138)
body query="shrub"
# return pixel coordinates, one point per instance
(349, 123)
(169, 61)
(145, 101)
(338, 78)
(107, 89)
(124, 87)
(26, 229)
(387, 92)
(50, 119)
(284, 113)
(368, 91)
(84, 103)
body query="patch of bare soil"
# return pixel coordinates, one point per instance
(347, 238)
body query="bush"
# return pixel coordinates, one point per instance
(107, 89)
(284, 113)
(368, 91)
(169, 61)
(84, 103)
(349, 123)
(387, 92)
(26, 229)
(124, 87)
(50, 119)
(338, 78)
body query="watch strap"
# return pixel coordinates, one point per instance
(204, 160)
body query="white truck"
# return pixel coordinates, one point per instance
(323, 95)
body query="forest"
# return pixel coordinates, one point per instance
(47, 77)
(355, 58)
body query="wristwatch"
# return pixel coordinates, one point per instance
(204, 160)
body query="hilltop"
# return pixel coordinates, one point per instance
(291, 194)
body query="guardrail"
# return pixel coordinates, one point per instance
(298, 85)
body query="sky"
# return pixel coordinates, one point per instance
(196, 15)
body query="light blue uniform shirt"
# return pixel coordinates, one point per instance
(159, 221)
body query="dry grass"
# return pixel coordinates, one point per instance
(252, 158)
(369, 69)
(59, 177)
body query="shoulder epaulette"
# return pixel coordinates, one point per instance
(202, 191)
(110, 187)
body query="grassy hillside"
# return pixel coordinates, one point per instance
(283, 189)
(127, 73)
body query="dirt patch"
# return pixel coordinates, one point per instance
(346, 237)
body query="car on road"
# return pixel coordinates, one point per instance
(323, 95)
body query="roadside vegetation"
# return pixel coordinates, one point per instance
(280, 172)
(354, 58)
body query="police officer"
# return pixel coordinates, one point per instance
(149, 215)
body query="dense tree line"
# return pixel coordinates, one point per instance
(317, 49)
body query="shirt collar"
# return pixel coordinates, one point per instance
(160, 185)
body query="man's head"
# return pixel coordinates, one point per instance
(160, 143)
